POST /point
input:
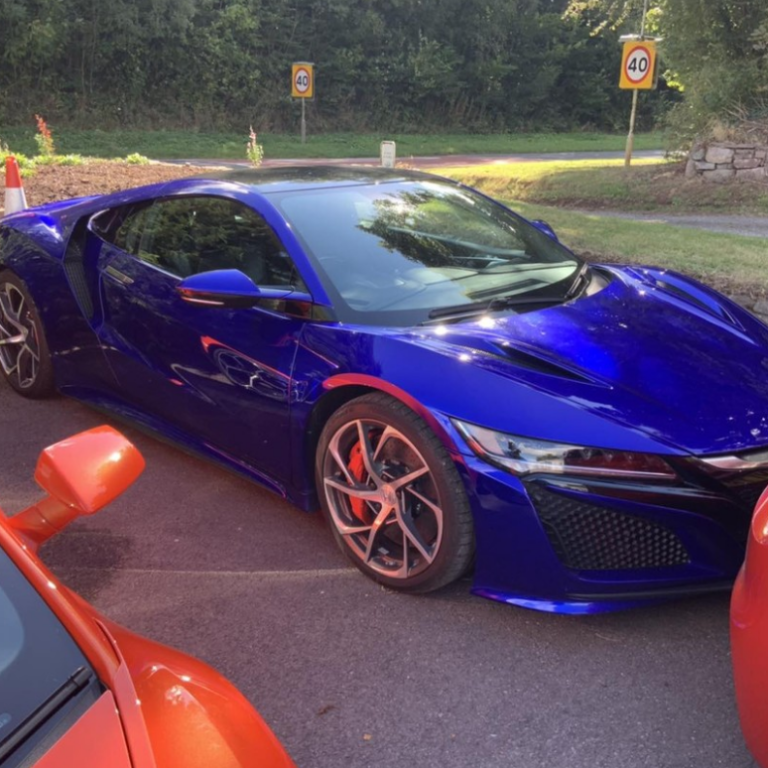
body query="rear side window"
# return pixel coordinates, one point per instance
(122, 226)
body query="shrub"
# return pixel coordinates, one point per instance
(44, 139)
(253, 150)
(136, 159)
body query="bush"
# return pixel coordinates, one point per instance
(136, 159)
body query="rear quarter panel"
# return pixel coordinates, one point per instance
(32, 246)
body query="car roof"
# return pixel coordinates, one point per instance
(292, 178)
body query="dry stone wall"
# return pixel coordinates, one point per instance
(723, 162)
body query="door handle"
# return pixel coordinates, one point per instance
(117, 275)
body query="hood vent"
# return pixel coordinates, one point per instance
(533, 362)
(681, 293)
(679, 287)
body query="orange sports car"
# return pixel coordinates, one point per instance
(749, 636)
(78, 690)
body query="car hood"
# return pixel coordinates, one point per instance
(652, 362)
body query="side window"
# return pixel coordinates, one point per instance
(122, 226)
(188, 235)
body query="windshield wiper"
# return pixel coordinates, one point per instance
(494, 305)
(576, 285)
(78, 680)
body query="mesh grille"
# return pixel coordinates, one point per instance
(749, 494)
(586, 537)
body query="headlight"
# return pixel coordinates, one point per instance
(525, 455)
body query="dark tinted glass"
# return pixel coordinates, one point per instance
(390, 253)
(121, 226)
(37, 655)
(188, 235)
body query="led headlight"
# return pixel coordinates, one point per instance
(525, 455)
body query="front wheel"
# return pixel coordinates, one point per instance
(24, 358)
(392, 496)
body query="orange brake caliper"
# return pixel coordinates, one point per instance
(356, 466)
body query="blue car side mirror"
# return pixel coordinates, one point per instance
(228, 288)
(542, 226)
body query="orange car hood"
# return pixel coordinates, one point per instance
(94, 741)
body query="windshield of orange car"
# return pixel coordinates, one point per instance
(38, 659)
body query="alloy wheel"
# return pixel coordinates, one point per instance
(383, 498)
(19, 342)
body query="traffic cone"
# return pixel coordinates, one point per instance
(15, 199)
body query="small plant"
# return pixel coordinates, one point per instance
(70, 160)
(44, 139)
(253, 150)
(26, 164)
(136, 159)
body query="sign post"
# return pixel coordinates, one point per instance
(303, 87)
(638, 71)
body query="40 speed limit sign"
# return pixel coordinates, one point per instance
(303, 80)
(638, 65)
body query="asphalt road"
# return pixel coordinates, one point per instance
(350, 674)
(430, 161)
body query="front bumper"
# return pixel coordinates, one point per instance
(584, 545)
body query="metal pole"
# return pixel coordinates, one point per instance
(633, 113)
(304, 122)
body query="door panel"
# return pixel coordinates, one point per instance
(223, 375)
(220, 374)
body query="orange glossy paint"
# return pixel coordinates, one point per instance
(749, 636)
(94, 741)
(172, 710)
(81, 475)
(90, 470)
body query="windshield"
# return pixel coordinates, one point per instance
(389, 254)
(37, 659)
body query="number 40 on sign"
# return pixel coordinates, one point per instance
(638, 65)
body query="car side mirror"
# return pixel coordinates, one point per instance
(81, 475)
(542, 226)
(228, 288)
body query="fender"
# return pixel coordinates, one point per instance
(437, 425)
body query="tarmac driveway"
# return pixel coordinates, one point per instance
(350, 674)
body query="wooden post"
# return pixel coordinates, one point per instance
(633, 113)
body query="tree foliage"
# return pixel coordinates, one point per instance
(409, 64)
(716, 51)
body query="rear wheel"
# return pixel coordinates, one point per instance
(24, 357)
(393, 497)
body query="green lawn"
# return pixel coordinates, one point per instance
(192, 144)
(731, 263)
(648, 185)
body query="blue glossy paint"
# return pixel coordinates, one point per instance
(653, 362)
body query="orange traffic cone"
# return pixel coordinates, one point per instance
(15, 199)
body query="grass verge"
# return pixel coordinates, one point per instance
(648, 185)
(231, 146)
(731, 263)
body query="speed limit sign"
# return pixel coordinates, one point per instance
(303, 80)
(638, 66)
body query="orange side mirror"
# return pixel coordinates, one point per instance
(81, 474)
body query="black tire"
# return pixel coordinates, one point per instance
(25, 363)
(422, 529)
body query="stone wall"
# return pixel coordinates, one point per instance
(723, 162)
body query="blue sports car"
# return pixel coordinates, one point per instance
(455, 388)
